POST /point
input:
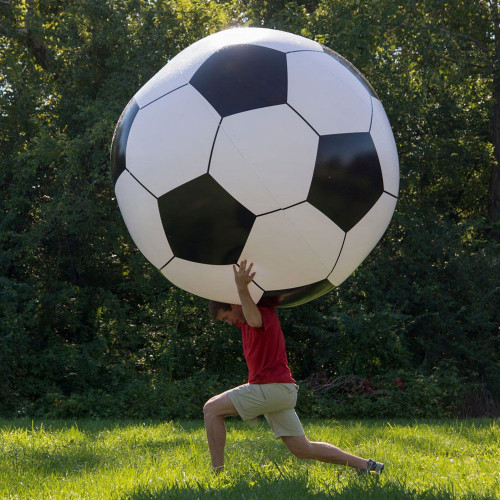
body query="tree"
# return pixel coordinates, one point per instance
(462, 39)
(89, 327)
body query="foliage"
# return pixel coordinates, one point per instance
(411, 395)
(88, 327)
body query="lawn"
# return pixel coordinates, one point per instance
(151, 460)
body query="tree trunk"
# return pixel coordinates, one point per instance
(494, 208)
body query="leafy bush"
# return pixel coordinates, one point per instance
(399, 394)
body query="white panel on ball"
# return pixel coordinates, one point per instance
(273, 39)
(327, 94)
(173, 75)
(183, 66)
(385, 145)
(233, 172)
(165, 153)
(363, 237)
(205, 280)
(323, 236)
(282, 257)
(142, 218)
(279, 147)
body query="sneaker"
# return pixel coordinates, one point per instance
(372, 467)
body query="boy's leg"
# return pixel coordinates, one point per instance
(214, 411)
(301, 447)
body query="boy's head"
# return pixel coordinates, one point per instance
(214, 307)
(229, 313)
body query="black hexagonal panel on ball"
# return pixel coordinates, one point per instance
(292, 297)
(239, 78)
(347, 178)
(204, 223)
(120, 138)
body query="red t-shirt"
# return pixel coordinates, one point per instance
(264, 350)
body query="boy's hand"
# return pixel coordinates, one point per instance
(243, 276)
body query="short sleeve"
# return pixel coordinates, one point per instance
(268, 318)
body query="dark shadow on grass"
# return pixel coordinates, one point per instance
(297, 488)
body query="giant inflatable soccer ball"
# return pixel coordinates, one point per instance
(261, 145)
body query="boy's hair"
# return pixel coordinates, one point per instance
(214, 307)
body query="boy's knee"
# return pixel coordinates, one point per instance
(208, 408)
(299, 446)
(219, 406)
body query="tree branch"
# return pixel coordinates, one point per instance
(496, 13)
(480, 44)
(446, 58)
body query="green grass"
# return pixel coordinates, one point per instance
(133, 460)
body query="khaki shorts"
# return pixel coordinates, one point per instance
(275, 401)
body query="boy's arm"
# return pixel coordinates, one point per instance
(243, 277)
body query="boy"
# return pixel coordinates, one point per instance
(271, 390)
